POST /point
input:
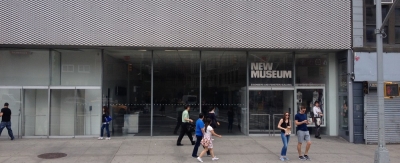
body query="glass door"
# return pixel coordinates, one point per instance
(12, 96)
(266, 108)
(88, 111)
(62, 111)
(35, 120)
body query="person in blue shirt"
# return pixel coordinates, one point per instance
(302, 132)
(199, 135)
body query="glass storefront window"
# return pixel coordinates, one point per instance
(24, 67)
(127, 91)
(88, 111)
(307, 97)
(75, 67)
(342, 100)
(344, 114)
(267, 108)
(62, 112)
(270, 69)
(311, 69)
(175, 75)
(36, 112)
(342, 75)
(224, 87)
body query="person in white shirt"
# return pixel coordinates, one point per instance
(317, 119)
(207, 141)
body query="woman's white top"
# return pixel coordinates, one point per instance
(316, 110)
(208, 133)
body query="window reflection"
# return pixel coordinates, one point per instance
(174, 85)
(76, 67)
(397, 35)
(127, 91)
(24, 67)
(371, 36)
(311, 68)
(344, 113)
(223, 86)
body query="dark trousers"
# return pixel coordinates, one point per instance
(106, 126)
(178, 124)
(184, 130)
(8, 126)
(196, 146)
(317, 127)
(230, 124)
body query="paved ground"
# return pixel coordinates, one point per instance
(230, 149)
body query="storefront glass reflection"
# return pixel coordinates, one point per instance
(311, 69)
(224, 87)
(267, 108)
(307, 97)
(176, 82)
(127, 91)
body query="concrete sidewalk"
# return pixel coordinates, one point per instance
(241, 149)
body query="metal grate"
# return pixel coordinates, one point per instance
(392, 122)
(271, 24)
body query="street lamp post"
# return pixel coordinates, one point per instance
(381, 153)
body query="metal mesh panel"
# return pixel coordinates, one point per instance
(271, 24)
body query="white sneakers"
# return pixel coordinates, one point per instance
(101, 138)
(108, 138)
(214, 159)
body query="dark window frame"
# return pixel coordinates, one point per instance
(390, 27)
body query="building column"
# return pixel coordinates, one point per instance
(332, 95)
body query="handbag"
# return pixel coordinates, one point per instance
(205, 141)
(108, 118)
(318, 121)
(191, 127)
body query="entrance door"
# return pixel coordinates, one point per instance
(266, 108)
(35, 122)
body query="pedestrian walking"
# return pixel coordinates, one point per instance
(6, 120)
(284, 125)
(207, 141)
(199, 135)
(317, 119)
(179, 111)
(302, 132)
(231, 115)
(213, 118)
(105, 124)
(185, 127)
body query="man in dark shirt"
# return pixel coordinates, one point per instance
(5, 115)
(302, 132)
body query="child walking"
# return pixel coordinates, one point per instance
(105, 124)
(207, 141)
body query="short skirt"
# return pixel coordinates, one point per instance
(207, 142)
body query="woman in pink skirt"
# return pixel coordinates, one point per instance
(207, 141)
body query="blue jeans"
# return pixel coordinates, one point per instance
(285, 141)
(196, 146)
(107, 129)
(8, 126)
